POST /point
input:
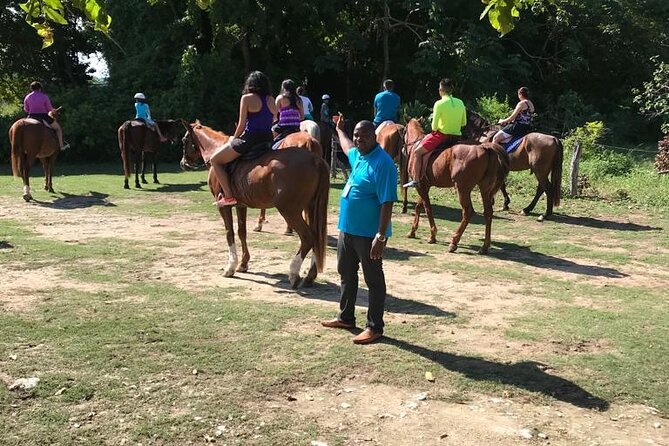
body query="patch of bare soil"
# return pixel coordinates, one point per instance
(23, 288)
(363, 413)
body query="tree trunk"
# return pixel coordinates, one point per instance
(246, 50)
(385, 37)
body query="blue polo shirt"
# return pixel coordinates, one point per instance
(386, 104)
(373, 181)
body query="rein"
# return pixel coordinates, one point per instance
(196, 144)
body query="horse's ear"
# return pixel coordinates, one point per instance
(185, 123)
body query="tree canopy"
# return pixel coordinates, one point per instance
(582, 59)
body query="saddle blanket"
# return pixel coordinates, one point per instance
(512, 145)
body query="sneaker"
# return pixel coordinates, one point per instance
(222, 201)
(412, 183)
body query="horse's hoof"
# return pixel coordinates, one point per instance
(483, 250)
(144, 181)
(505, 208)
(243, 268)
(156, 182)
(229, 272)
(288, 232)
(27, 197)
(452, 247)
(404, 210)
(541, 217)
(308, 282)
(125, 186)
(138, 186)
(294, 281)
(257, 228)
(431, 241)
(411, 235)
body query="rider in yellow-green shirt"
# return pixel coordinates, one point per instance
(448, 117)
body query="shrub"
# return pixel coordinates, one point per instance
(415, 109)
(492, 109)
(589, 136)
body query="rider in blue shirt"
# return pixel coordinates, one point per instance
(143, 113)
(386, 104)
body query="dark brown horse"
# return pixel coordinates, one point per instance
(541, 154)
(301, 140)
(294, 181)
(462, 167)
(138, 142)
(30, 139)
(391, 138)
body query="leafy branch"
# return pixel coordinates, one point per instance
(42, 14)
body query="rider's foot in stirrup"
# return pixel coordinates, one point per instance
(222, 201)
(412, 183)
(65, 147)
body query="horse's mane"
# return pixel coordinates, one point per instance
(209, 133)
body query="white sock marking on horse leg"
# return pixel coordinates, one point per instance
(26, 190)
(294, 269)
(232, 260)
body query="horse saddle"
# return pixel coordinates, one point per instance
(256, 152)
(443, 146)
(138, 123)
(513, 144)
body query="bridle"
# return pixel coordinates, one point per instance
(193, 141)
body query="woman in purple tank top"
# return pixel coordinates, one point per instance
(254, 127)
(291, 111)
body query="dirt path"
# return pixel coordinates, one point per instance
(365, 413)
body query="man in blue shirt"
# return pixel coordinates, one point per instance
(366, 206)
(386, 104)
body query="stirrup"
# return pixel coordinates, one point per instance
(412, 183)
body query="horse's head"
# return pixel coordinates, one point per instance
(191, 158)
(414, 133)
(171, 129)
(477, 127)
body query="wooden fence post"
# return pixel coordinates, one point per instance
(573, 169)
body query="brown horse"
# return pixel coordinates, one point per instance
(391, 138)
(301, 140)
(138, 142)
(541, 154)
(461, 167)
(30, 139)
(291, 180)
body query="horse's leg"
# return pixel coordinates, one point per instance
(261, 220)
(535, 200)
(416, 218)
(241, 230)
(313, 272)
(295, 220)
(424, 193)
(404, 178)
(487, 199)
(138, 159)
(154, 162)
(464, 196)
(548, 188)
(144, 155)
(27, 196)
(47, 165)
(507, 200)
(226, 214)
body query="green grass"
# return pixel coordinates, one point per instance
(124, 351)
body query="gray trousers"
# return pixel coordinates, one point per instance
(353, 251)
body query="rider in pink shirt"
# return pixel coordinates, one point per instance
(38, 106)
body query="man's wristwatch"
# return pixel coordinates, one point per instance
(381, 238)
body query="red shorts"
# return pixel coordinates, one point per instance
(436, 139)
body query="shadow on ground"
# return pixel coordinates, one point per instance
(179, 187)
(71, 201)
(329, 292)
(528, 375)
(602, 224)
(389, 252)
(522, 254)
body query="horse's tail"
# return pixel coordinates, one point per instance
(556, 173)
(124, 146)
(317, 213)
(498, 166)
(17, 152)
